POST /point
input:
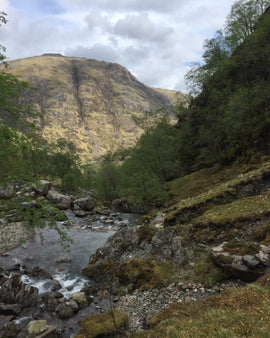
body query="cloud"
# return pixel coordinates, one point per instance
(97, 51)
(95, 19)
(125, 6)
(142, 28)
(153, 39)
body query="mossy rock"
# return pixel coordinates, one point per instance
(207, 273)
(145, 274)
(146, 233)
(241, 248)
(223, 260)
(102, 325)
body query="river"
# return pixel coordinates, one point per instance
(64, 265)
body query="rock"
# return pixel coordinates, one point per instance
(10, 309)
(121, 205)
(73, 305)
(81, 299)
(42, 187)
(91, 327)
(38, 272)
(250, 261)
(51, 303)
(13, 291)
(247, 267)
(6, 192)
(63, 202)
(11, 330)
(64, 311)
(167, 245)
(53, 285)
(63, 260)
(86, 203)
(40, 329)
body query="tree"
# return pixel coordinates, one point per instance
(242, 20)
(240, 23)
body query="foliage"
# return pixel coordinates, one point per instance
(230, 113)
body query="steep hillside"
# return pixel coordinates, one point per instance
(89, 102)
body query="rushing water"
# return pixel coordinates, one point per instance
(64, 266)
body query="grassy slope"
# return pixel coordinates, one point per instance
(237, 312)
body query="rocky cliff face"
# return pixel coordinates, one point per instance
(89, 102)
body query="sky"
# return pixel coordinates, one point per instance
(156, 40)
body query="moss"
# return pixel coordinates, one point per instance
(102, 325)
(223, 259)
(207, 273)
(241, 248)
(146, 233)
(241, 210)
(145, 274)
(193, 192)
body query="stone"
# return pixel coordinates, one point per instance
(86, 203)
(73, 305)
(10, 309)
(65, 312)
(42, 187)
(11, 330)
(63, 202)
(250, 261)
(6, 192)
(81, 299)
(13, 291)
(41, 329)
(51, 303)
(121, 205)
(38, 272)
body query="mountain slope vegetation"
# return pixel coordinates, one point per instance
(91, 103)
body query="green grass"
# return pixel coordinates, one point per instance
(242, 312)
(253, 207)
(211, 186)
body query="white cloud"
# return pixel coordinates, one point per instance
(141, 27)
(153, 39)
(98, 51)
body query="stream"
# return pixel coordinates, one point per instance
(63, 265)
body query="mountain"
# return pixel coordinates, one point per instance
(91, 103)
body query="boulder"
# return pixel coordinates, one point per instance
(121, 205)
(85, 203)
(10, 309)
(64, 311)
(42, 187)
(73, 305)
(41, 329)
(102, 325)
(36, 271)
(11, 330)
(13, 291)
(246, 267)
(81, 299)
(63, 202)
(51, 303)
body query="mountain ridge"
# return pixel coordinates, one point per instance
(92, 103)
